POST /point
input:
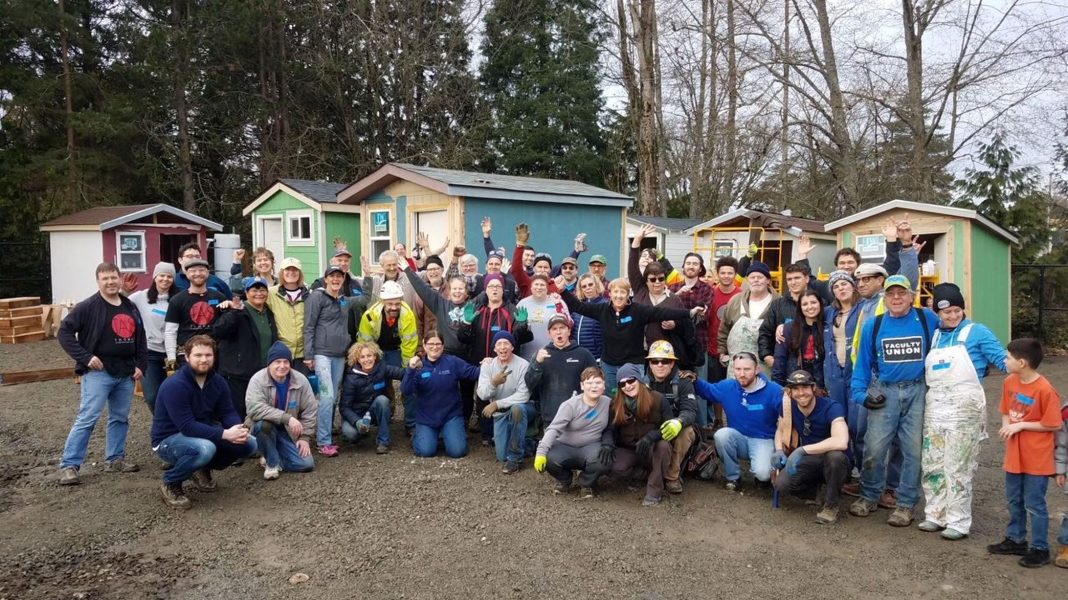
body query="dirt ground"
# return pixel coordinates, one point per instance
(394, 526)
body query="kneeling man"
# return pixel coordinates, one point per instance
(815, 437)
(281, 414)
(196, 429)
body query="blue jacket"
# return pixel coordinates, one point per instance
(184, 407)
(787, 362)
(436, 387)
(587, 330)
(836, 378)
(983, 346)
(903, 338)
(181, 282)
(753, 415)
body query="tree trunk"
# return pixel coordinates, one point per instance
(648, 141)
(730, 160)
(71, 193)
(844, 154)
(919, 182)
(181, 65)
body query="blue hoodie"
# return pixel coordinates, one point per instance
(753, 414)
(903, 338)
(182, 406)
(436, 387)
(983, 346)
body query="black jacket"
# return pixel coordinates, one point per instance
(679, 393)
(782, 310)
(359, 389)
(85, 323)
(478, 335)
(552, 382)
(239, 342)
(623, 334)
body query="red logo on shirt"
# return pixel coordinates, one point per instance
(202, 314)
(124, 326)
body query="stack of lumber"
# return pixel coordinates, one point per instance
(20, 320)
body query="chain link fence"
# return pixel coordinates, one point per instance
(24, 269)
(1040, 303)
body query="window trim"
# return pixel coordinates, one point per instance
(372, 238)
(294, 215)
(143, 252)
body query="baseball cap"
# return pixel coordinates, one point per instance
(598, 258)
(558, 318)
(342, 251)
(196, 262)
(869, 269)
(290, 262)
(897, 280)
(333, 269)
(569, 261)
(250, 282)
(798, 378)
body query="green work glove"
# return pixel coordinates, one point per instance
(670, 429)
(539, 463)
(469, 313)
(753, 251)
(521, 315)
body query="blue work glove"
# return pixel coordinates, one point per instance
(795, 460)
(778, 460)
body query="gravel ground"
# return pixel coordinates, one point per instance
(395, 526)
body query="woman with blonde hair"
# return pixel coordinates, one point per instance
(587, 329)
(363, 398)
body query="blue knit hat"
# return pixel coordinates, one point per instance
(279, 350)
(503, 335)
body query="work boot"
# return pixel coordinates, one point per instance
(1008, 547)
(673, 486)
(121, 466)
(828, 515)
(203, 482)
(733, 485)
(561, 487)
(1034, 558)
(69, 476)
(888, 499)
(851, 489)
(862, 507)
(381, 449)
(651, 501)
(901, 517)
(586, 493)
(173, 495)
(1062, 558)
(510, 467)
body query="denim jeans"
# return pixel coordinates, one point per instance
(900, 419)
(1026, 495)
(510, 431)
(380, 415)
(186, 455)
(98, 388)
(454, 432)
(857, 420)
(732, 447)
(279, 449)
(153, 378)
(330, 370)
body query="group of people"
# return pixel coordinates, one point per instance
(834, 387)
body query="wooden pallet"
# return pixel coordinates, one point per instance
(28, 311)
(34, 319)
(20, 329)
(18, 377)
(23, 338)
(21, 302)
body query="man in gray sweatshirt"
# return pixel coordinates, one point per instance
(501, 383)
(579, 437)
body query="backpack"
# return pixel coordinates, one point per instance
(701, 461)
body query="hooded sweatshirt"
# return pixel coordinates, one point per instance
(557, 378)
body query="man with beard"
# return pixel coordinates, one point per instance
(391, 324)
(245, 332)
(195, 429)
(568, 278)
(554, 374)
(191, 252)
(190, 312)
(105, 336)
(599, 268)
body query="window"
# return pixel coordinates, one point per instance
(131, 249)
(300, 228)
(381, 233)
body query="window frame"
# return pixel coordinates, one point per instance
(142, 253)
(372, 238)
(297, 216)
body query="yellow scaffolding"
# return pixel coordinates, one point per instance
(764, 246)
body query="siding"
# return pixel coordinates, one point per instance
(75, 255)
(989, 302)
(283, 203)
(347, 227)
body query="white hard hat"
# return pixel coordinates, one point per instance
(391, 290)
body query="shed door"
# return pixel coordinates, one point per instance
(435, 224)
(271, 237)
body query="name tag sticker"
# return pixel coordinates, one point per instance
(380, 385)
(425, 374)
(159, 312)
(591, 415)
(756, 407)
(626, 319)
(495, 328)
(941, 366)
(902, 349)
(213, 302)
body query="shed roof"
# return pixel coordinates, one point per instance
(937, 209)
(769, 220)
(320, 191)
(471, 184)
(102, 218)
(317, 195)
(666, 223)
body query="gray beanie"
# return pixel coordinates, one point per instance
(163, 267)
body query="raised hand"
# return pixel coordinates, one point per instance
(580, 243)
(890, 229)
(239, 255)
(805, 246)
(487, 226)
(522, 234)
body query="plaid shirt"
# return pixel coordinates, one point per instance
(699, 295)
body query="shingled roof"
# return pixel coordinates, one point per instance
(107, 217)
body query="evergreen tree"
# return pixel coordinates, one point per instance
(541, 80)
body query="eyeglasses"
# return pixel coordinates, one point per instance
(655, 279)
(627, 381)
(588, 284)
(661, 361)
(865, 278)
(806, 428)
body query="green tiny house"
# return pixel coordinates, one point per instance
(299, 218)
(961, 247)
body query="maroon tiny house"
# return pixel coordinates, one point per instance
(133, 237)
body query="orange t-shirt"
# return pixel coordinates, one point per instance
(1030, 452)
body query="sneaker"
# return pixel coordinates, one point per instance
(328, 450)
(901, 517)
(953, 535)
(121, 466)
(651, 501)
(271, 473)
(733, 485)
(929, 526)
(263, 462)
(862, 507)
(674, 487)
(827, 515)
(1062, 558)
(69, 476)
(561, 487)
(173, 495)
(1034, 558)
(851, 489)
(203, 482)
(381, 449)
(1008, 547)
(510, 467)
(586, 493)
(888, 500)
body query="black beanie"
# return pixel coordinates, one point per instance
(434, 259)
(946, 295)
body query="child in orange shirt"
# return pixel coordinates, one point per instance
(1030, 416)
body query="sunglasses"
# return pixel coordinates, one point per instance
(661, 361)
(568, 267)
(627, 381)
(588, 284)
(655, 279)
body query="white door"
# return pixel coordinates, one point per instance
(435, 224)
(271, 237)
